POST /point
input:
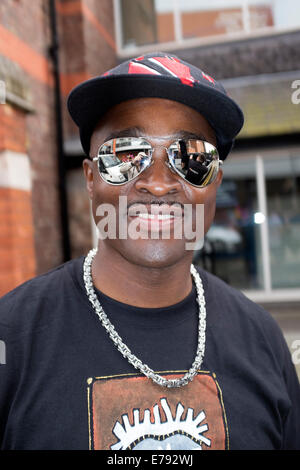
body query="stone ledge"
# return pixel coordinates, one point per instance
(17, 88)
(15, 170)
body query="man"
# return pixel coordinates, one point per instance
(196, 169)
(132, 167)
(130, 347)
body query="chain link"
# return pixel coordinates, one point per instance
(124, 349)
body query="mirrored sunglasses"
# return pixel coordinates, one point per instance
(122, 159)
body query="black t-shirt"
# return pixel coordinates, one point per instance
(64, 385)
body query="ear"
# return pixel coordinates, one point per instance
(89, 176)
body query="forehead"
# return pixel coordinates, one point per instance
(153, 117)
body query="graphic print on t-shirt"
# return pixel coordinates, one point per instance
(131, 412)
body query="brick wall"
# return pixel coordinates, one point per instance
(29, 218)
(16, 238)
(88, 49)
(12, 129)
(17, 251)
(31, 234)
(86, 31)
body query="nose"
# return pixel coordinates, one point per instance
(158, 179)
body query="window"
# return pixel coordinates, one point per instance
(283, 203)
(253, 243)
(232, 245)
(143, 23)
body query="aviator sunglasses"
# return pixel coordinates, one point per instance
(122, 159)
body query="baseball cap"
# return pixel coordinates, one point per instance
(157, 75)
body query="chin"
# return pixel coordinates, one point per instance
(155, 253)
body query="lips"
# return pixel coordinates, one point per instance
(155, 217)
(152, 211)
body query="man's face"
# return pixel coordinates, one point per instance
(160, 121)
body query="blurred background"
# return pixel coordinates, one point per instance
(252, 46)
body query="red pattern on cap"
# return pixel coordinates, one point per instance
(208, 77)
(140, 68)
(172, 65)
(178, 68)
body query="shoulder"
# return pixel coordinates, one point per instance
(233, 309)
(22, 305)
(230, 298)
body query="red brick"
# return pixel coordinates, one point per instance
(17, 253)
(12, 129)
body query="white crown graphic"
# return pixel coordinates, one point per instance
(190, 426)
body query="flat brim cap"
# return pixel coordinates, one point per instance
(156, 75)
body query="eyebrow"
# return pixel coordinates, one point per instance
(189, 135)
(128, 132)
(140, 132)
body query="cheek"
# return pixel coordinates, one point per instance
(209, 214)
(206, 197)
(209, 206)
(103, 195)
(106, 196)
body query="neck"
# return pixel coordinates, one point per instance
(140, 286)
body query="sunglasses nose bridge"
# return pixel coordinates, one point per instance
(159, 178)
(160, 151)
(167, 159)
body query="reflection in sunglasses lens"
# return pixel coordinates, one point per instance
(122, 159)
(196, 161)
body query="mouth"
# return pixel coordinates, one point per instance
(155, 218)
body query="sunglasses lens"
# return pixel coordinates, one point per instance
(196, 161)
(122, 159)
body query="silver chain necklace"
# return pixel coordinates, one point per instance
(125, 351)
